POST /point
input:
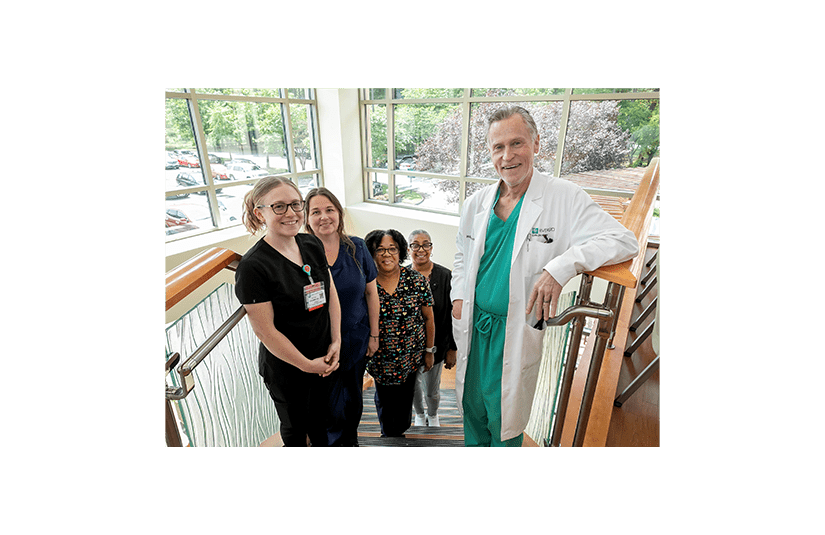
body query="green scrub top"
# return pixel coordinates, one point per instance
(493, 282)
(482, 388)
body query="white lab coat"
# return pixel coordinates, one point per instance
(583, 237)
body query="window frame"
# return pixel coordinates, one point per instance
(191, 96)
(465, 102)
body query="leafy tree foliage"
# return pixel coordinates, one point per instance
(600, 135)
(594, 138)
(243, 128)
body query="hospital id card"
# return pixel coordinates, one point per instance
(314, 296)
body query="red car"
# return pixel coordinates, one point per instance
(175, 218)
(188, 160)
(219, 171)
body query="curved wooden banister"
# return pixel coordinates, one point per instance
(636, 219)
(187, 277)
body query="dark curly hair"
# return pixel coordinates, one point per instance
(373, 241)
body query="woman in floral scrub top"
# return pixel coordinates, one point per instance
(406, 331)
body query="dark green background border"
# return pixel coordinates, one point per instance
(101, 448)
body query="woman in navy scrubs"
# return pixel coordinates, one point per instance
(354, 272)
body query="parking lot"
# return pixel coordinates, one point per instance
(195, 205)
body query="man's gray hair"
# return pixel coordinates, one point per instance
(507, 112)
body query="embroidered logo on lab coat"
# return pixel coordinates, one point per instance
(541, 235)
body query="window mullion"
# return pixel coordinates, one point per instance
(465, 147)
(286, 114)
(565, 114)
(390, 150)
(206, 167)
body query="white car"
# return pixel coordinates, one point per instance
(243, 171)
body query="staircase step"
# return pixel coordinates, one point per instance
(449, 434)
(405, 442)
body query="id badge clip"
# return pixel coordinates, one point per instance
(314, 296)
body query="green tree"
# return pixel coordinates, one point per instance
(641, 119)
(301, 134)
(377, 136)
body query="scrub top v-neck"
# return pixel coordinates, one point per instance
(493, 283)
(264, 274)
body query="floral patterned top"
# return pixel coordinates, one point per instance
(402, 337)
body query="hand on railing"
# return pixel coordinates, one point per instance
(573, 312)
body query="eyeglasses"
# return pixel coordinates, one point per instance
(426, 246)
(280, 208)
(389, 250)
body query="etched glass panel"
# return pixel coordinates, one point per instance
(229, 405)
(553, 352)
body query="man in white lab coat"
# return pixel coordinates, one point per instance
(519, 241)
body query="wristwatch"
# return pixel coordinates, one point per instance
(429, 349)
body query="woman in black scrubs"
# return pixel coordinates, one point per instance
(284, 284)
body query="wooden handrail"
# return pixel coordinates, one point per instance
(636, 219)
(187, 277)
(180, 282)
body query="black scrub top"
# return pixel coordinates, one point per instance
(264, 275)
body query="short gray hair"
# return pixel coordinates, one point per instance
(507, 112)
(415, 233)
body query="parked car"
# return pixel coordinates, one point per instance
(172, 161)
(187, 158)
(240, 160)
(197, 212)
(406, 163)
(188, 179)
(176, 217)
(243, 171)
(219, 171)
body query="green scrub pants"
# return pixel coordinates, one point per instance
(481, 401)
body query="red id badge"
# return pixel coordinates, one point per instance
(314, 296)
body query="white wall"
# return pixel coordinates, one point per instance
(363, 218)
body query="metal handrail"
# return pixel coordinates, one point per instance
(576, 311)
(185, 370)
(180, 282)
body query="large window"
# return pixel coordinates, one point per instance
(426, 148)
(219, 142)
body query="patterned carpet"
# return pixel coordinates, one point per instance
(450, 434)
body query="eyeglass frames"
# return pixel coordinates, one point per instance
(280, 208)
(393, 250)
(426, 246)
